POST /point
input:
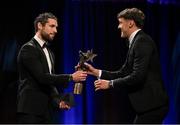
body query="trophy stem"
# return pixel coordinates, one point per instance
(78, 88)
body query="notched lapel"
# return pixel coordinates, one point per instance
(130, 55)
(43, 56)
(52, 59)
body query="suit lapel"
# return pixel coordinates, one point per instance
(51, 58)
(44, 60)
(132, 45)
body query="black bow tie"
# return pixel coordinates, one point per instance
(45, 45)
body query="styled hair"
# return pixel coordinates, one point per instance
(43, 18)
(133, 14)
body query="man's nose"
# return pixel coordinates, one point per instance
(55, 30)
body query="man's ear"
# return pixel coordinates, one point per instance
(131, 23)
(39, 26)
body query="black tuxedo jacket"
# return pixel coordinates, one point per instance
(36, 90)
(141, 75)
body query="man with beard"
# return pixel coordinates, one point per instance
(37, 93)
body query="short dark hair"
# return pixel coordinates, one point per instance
(43, 18)
(133, 14)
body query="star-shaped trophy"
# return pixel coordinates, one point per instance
(84, 57)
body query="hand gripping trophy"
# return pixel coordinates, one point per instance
(84, 57)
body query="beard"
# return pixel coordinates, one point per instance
(46, 36)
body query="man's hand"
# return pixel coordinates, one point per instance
(91, 70)
(63, 105)
(101, 84)
(79, 76)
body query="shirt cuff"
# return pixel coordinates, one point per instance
(111, 84)
(100, 73)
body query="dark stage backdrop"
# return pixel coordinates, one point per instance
(83, 25)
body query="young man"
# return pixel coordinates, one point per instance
(140, 74)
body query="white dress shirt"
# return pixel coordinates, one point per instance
(41, 43)
(132, 37)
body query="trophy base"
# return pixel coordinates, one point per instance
(78, 88)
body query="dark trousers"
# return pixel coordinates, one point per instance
(155, 116)
(24, 118)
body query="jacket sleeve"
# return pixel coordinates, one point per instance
(135, 74)
(110, 75)
(55, 96)
(141, 59)
(30, 60)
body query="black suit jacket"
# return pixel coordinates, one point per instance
(37, 92)
(141, 75)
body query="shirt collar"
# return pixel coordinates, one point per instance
(41, 42)
(132, 36)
